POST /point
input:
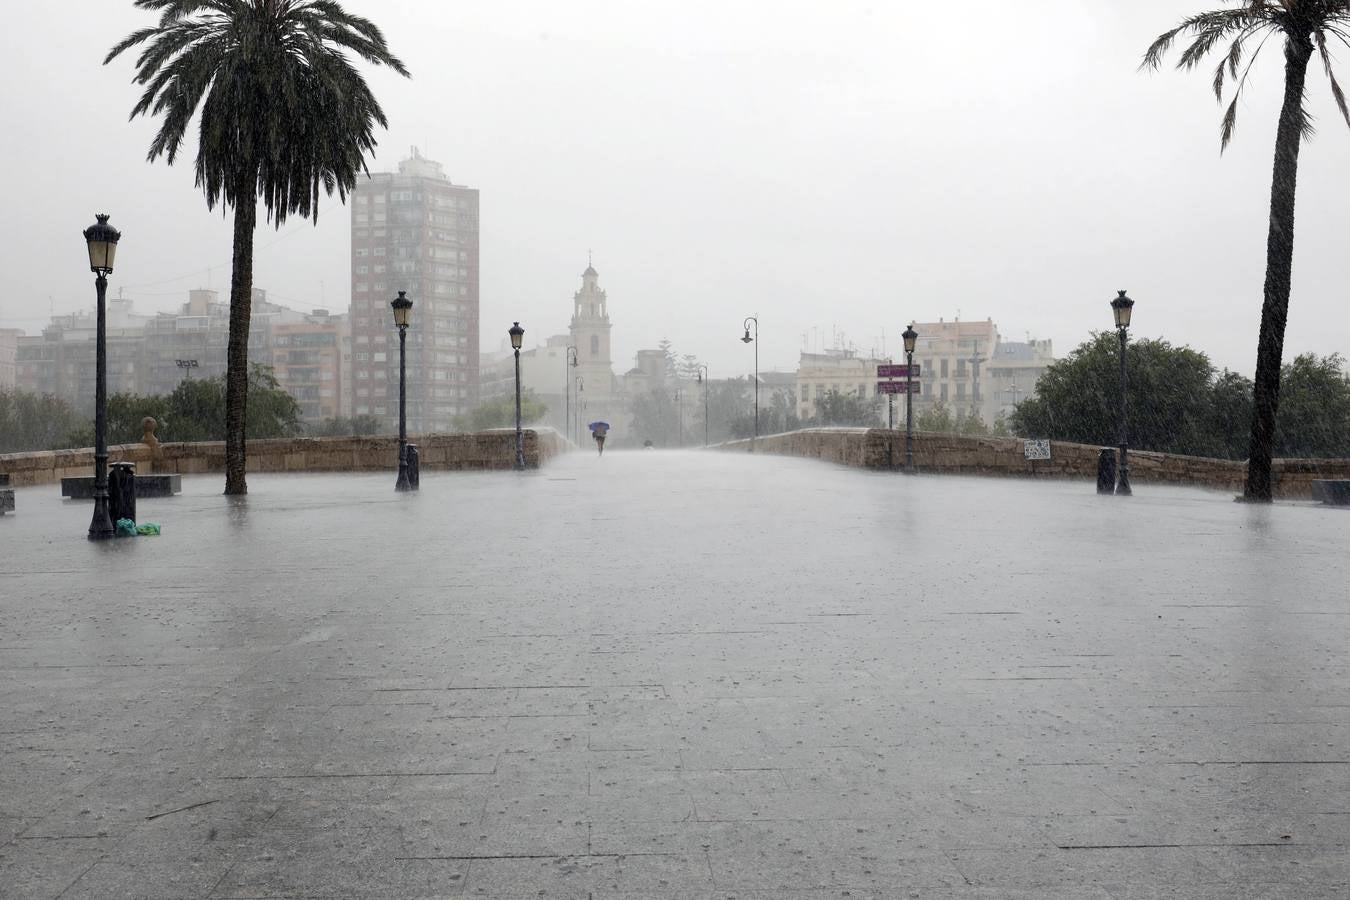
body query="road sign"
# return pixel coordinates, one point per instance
(901, 371)
(186, 363)
(1036, 449)
(898, 387)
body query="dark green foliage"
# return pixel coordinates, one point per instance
(938, 418)
(35, 421)
(1314, 418)
(340, 426)
(501, 413)
(1177, 403)
(835, 408)
(195, 411)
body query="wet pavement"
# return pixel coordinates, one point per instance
(679, 675)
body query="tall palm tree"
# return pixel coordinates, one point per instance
(1306, 27)
(283, 114)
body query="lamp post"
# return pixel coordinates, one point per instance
(402, 307)
(576, 413)
(517, 338)
(1121, 307)
(569, 359)
(703, 380)
(755, 340)
(679, 408)
(102, 240)
(910, 337)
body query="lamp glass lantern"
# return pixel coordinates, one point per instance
(402, 307)
(1122, 306)
(747, 339)
(910, 337)
(102, 239)
(517, 336)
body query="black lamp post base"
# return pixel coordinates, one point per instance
(101, 527)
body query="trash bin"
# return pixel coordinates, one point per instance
(1106, 470)
(122, 491)
(412, 466)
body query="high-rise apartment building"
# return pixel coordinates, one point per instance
(415, 231)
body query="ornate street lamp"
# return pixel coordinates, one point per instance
(102, 239)
(569, 359)
(1121, 307)
(679, 408)
(703, 380)
(755, 340)
(911, 338)
(402, 307)
(517, 338)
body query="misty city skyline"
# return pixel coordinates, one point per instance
(824, 167)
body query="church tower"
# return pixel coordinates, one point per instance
(590, 323)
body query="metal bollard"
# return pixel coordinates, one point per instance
(413, 474)
(122, 491)
(1106, 470)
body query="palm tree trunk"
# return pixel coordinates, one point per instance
(236, 368)
(1279, 272)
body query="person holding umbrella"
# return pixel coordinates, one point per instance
(598, 431)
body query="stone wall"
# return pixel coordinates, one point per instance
(477, 451)
(879, 448)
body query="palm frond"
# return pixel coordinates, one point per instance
(1336, 91)
(283, 115)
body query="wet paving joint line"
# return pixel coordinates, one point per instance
(514, 716)
(841, 615)
(180, 809)
(1174, 846)
(990, 613)
(536, 856)
(1258, 762)
(492, 771)
(1033, 678)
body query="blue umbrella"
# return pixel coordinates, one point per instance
(595, 425)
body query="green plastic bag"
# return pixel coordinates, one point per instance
(147, 528)
(126, 528)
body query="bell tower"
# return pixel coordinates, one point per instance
(590, 323)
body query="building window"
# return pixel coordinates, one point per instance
(595, 345)
(944, 375)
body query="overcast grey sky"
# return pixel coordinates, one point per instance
(828, 165)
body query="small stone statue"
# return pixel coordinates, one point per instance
(148, 425)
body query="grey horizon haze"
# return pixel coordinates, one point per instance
(840, 166)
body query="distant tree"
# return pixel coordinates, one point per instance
(836, 408)
(1314, 418)
(781, 414)
(1000, 428)
(937, 418)
(1228, 424)
(1077, 399)
(671, 363)
(195, 412)
(283, 115)
(501, 413)
(31, 421)
(656, 418)
(688, 368)
(340, 426)
(971, 425)
(730, 409)
(1302, 27)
